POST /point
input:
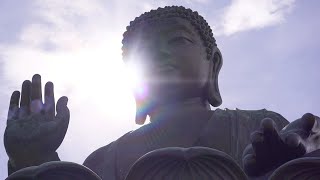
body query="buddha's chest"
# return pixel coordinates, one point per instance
(225, 130)
(189, 132)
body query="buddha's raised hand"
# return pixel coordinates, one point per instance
(271, 148)
(34, 130)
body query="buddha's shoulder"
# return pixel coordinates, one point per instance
(248, 116)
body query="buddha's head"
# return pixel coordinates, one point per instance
(178, 56)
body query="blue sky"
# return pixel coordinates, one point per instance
(270, 50)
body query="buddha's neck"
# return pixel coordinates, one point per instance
(190, 105)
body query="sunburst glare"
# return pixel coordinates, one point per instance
(135, 77)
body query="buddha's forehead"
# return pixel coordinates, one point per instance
(165, 26)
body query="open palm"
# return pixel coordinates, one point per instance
(34, 130)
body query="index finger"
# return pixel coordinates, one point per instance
(270, 131)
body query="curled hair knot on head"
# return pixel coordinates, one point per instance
(193, 17)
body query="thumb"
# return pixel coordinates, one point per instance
(63, 113)
(308, 122)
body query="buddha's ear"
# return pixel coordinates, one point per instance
(212, 91)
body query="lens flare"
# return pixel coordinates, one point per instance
(135, 79)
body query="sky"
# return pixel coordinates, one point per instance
(269, 47)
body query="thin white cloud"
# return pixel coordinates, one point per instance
(244, 15)
(197, 1)
(62, 24)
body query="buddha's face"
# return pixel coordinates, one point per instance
(172, 59)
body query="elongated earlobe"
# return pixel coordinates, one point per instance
(141, 114)
(212, 91)
(140, 120)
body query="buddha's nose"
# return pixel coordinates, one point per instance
(161, 52)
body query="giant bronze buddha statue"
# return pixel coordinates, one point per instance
(181, 63)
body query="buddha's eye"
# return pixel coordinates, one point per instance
(180, 40)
